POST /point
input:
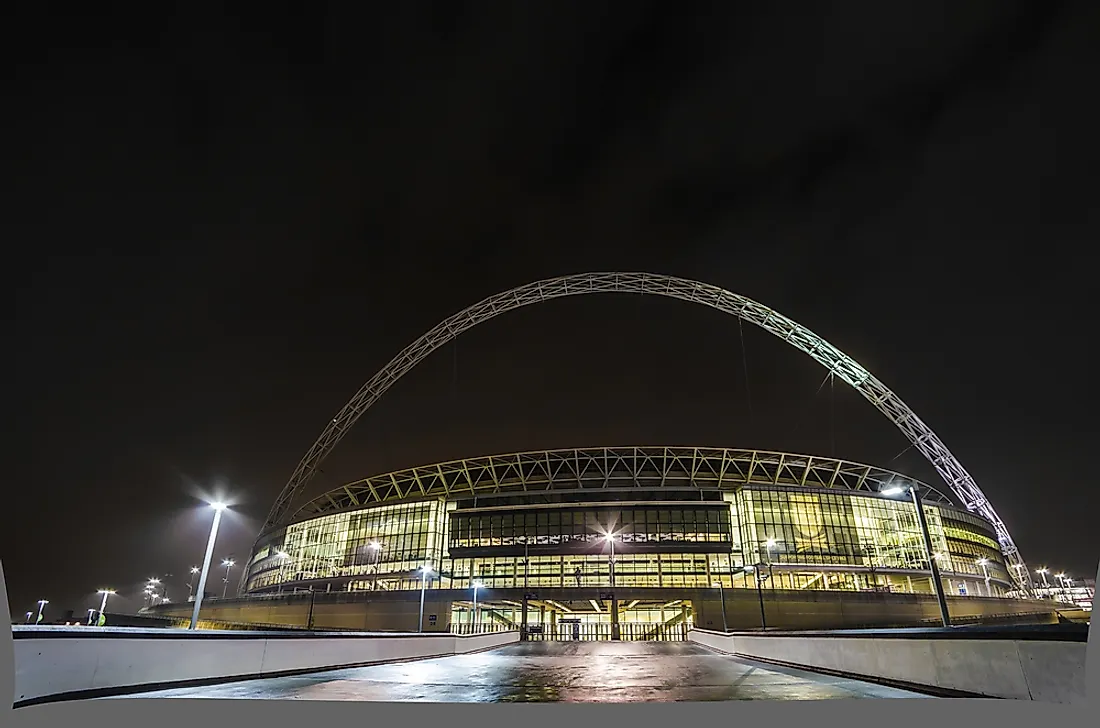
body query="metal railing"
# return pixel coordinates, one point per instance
(602, 632)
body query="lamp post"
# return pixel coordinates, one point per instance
(90, 613)
(610, 538)
(1062, 580)
(228, 564)
(945, 616)
(28, 621)
(476, 585)
(191, 584)
(526, 562)
(1043, 573)
(103, 604)
(615, 629)
(312, 601)
(424, 571)
(760, 577)
(722, 594)
(218, 508)
(769, 545)
(983, 562)
(1028, 590)
(41, 605)
(376, 550)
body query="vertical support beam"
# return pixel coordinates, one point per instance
(614, 616)
(523, 620)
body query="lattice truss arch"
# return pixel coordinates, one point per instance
(837, 362)
(609, 468)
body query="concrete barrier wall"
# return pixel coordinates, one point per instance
(1021, 669)
(71, 663)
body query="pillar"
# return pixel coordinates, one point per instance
(523, 619)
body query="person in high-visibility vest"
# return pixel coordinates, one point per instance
(102, 620)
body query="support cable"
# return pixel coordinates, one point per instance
(832, 416)
(745, 364)
(798, 425)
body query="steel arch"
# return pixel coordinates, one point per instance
(840, 364)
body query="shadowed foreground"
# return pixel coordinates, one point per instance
(606, 672)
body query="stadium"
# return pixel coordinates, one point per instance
(631, 542)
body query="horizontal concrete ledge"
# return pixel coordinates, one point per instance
(901, 684)
(176, 633)
(134, 660)
(981, 665)
(1040, 633)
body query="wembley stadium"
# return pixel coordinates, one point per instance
(632, 542)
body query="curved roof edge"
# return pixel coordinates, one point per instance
(616, 467)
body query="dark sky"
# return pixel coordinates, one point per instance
(223, 225)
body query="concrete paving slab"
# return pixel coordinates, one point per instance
(602, 672)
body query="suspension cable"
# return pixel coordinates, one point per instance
(798, 424)
(745, 364)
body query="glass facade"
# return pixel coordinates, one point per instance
(390, 540)
(805, 539)
(579, 528)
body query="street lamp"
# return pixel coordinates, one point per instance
(768, 546)
(424, 571)
(41, 605)
(28, 617)
(760, 577)
(945, 617)
(228, 564)
(722, 593)
(191, 584)
(476, 585)
(1062, 580)
(218, 508)
(103, 604)
(610, 538)
(1046, 585)
(90, 613)
(983, 562)
(376, 549)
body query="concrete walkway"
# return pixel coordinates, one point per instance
(607, 672)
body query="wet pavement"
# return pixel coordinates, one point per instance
(603, 672)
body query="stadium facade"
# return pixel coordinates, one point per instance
(658, 519)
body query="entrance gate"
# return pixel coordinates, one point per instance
(570, 630)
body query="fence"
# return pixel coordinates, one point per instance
(602, 631)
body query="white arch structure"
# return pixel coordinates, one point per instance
(798, 336)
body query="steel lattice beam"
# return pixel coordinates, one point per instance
(840, 364)
(609, 468)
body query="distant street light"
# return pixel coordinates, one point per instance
(29, 615)
(610, 538)
(1043, 573)
(914, 493)
(41, 605)
(191, 584)
(218, 508)
(228, 564)
(424, 571)
(983, 563)
(1062, 580)
(768, 546)
(103, 604)
(476, 585)
(376, 551)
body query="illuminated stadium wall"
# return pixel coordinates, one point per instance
(681, 517)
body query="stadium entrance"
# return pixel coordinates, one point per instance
(600, 619)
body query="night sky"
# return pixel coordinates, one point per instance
(220, 226)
